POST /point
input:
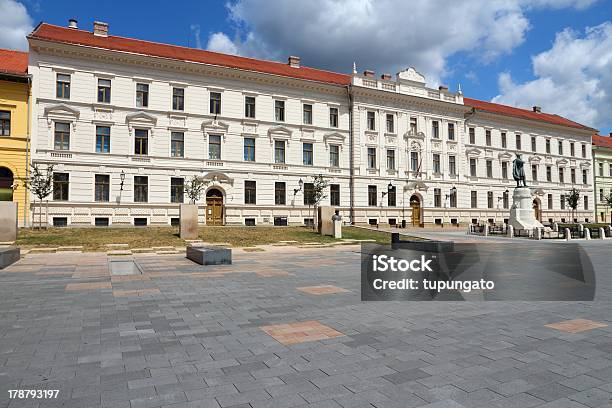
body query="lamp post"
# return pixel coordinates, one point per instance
(384, 193)
(451, 192)
(297, 190)
(122, 178)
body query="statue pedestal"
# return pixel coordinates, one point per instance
(522, 215)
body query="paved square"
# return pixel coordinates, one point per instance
(300, 332)
(271, 331)
(576, 325)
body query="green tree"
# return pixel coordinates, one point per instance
(194, 188)
(607, 200)
(572, 198)
(319, 187)
(40, 183)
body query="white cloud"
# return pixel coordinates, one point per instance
(384, 35)
(572, 79)
(15, 24)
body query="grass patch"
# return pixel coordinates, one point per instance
(95, 239)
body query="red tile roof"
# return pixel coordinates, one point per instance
(13, 62)
(602, 141)
(521, 113)
(81, 37)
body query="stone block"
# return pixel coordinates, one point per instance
(209, 255)
(189, 221)
(8, 221)
(325, 224)
(337, 226)
(8, 256)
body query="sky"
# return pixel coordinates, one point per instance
(556, 54)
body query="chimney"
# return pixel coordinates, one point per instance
(100, 29)
(443, 88)
(294, 61)
(72, 23)
(610, 134)
(537, 109)
(368, 73)
(385, 77)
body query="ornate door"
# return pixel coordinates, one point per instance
(536, 209)
(214, 208)
(415, 205)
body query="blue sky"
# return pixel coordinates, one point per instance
(488, 47)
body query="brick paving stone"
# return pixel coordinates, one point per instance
(88, 286)
(322, 289)
(576, 325)
(299, 332)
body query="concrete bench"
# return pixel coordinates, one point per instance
(8, 256)
(209, 255)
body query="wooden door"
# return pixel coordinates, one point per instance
(415, 205)
(214, 210)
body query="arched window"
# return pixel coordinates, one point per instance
(6, 184)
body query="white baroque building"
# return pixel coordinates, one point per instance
(126, 122)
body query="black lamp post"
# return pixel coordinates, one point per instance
(122, 177)
(389, 189)
(297, 190)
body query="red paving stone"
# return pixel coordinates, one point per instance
(576, 325)
(322, 289)
(88, 286)
(300, 332)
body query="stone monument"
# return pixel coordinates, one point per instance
(188, 221)
(522, 215)
(337, 221)
(8, 221)
(324, 220)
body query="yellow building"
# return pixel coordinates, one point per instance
(14, 130)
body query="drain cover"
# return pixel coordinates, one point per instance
(124, 268)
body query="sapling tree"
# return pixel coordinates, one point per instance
(607, 200)
(40, 183)
(194, 189)
(572, 198)
(319, 187)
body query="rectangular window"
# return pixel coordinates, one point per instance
(62, 136)
(561, 175)
(334, 156)
(177, 189)
(177, 144)
(573, 175)
(548, 173)
(548, 146)
(279, 151)
(249, 149)
(250, 192)
(307, 154)
(489, 199)
(307, 116)
(371, 120)
(104, 90)
(560, 145)
(391, 197)
(583, 150)
(533, 144)
(518, 141)
(390, 123)
(249, 106)
(178, 99)
(280, 193)
(490, 168)
(102, 187)
(333, 117)
(141, 189)
(334, 194)
(62, 89)
(5, 123)
(142, 95)
(472, 133)
(453, 198)
(474, 199)
(550, 201)
(504, 140)
(601, 194)
(572, 149)
(413, 125)
(372, 198)
(414, 161)
(141, 141)
(215, 103)
(534, 172)
(601, 169)
(585, 177)
(279, 111)
(60, 186)
(436, 163)
(586, 202)
(102, 139)
(451, 131)
(562, 201)
(214, 147)
(390, 159)
(504, 167)
(371, 157)
(488, 137)
(437, 197)
(309, 196)
(473, 167)
(452, 165)
(505, 199)
(435, 129)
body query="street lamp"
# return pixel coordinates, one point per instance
(122, 177)
(451, 192)
(389, 189)
(297, 190)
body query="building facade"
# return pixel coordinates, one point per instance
(14, 130)
(602, 160)
(127, 122)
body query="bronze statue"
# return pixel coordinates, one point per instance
(518, 172)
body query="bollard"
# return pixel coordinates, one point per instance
(587, 233)
(537, 233)
(602, 233)
(486, 230)
(568, 234)
(555, 227)
(510, 231)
